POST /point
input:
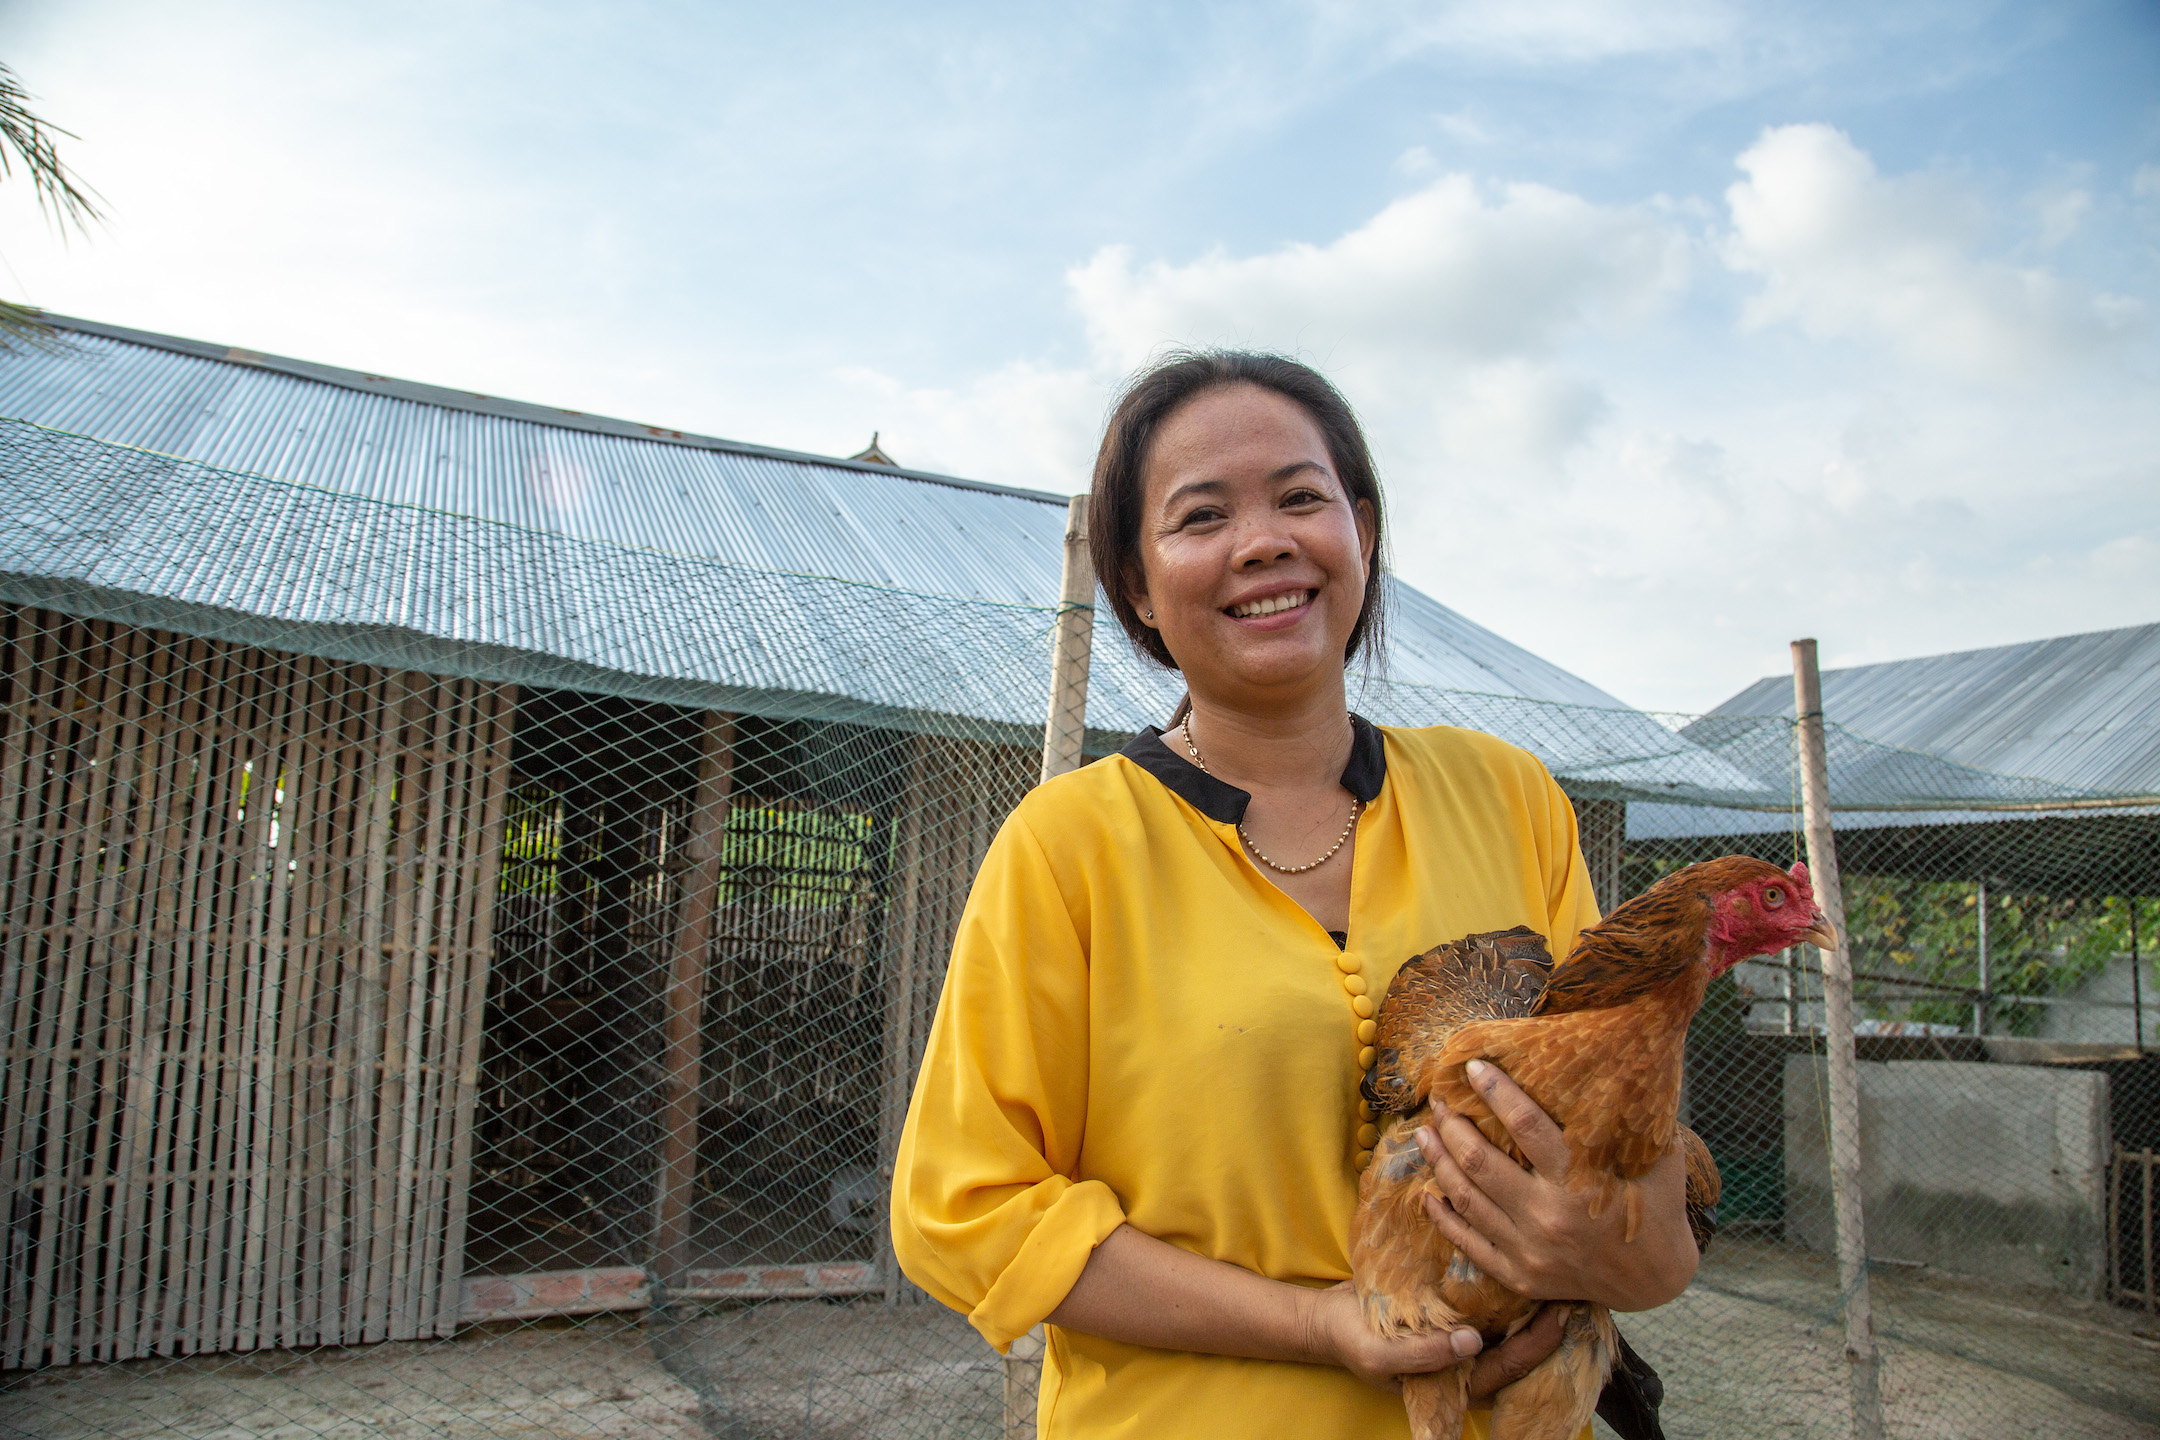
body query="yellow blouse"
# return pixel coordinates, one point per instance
(1137, 1025)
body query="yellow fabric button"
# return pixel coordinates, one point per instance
(1349, 964)
(1355, 984)
(1364, 1158)
(1366, 1030)
(1364, 1110)
(1366, 1056)
(1362, 1005)
(1368, 1136)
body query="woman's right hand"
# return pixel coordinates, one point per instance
(1341, 1336)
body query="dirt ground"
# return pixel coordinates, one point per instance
(1756, 1347)
(1752, 1350)
(585, 1379)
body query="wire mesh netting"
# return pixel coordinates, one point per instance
(432, 1013)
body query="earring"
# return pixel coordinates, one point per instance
(1150, 614)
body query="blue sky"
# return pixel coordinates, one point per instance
(1682, 328)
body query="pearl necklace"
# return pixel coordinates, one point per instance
(1357, 807)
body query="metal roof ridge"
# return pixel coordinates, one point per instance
(2044, 641)
(473, 402)
(2041, 643)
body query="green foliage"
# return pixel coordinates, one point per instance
(30, 142)
(806, 859)
(1930, 930)
(532, 842)
(791, 857)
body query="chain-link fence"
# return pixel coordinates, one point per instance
(437, 1005)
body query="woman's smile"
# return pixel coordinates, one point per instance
(1277, 611)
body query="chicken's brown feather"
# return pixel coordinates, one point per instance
(1597, 1044)
(1494, 975)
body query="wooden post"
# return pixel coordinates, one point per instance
(1066, 729)
(675, 1197)
(1792, 989)
(2152, 1292)
(1838, 1043)
(1980, 1002)
(905, 960)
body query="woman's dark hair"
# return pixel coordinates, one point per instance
(1119, 490)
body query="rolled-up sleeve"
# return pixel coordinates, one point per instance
(987, 1214)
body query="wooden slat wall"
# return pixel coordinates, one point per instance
(245, 901)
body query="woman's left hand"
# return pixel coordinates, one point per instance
(1527, 1230)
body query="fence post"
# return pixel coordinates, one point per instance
(1063, 734)
(1066, 729)
(675, 1197)
(1867, 1422)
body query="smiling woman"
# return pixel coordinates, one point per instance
(1138, 1116)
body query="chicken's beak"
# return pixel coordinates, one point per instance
(1822, 934)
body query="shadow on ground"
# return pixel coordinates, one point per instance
(811, 1370)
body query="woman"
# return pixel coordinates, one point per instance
(1138, 1114)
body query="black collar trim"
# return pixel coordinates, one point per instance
(1225, 804)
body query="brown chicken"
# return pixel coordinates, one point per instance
(1596, 1042)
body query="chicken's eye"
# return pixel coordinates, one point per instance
(1773, 897)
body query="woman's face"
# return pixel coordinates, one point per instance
(1254, 557)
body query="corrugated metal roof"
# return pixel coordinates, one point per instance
(113, 532)
(2077, 710)
(591, 478)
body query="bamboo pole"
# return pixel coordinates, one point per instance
(905, 960)
(1867, 1421)
(675, 1199)
(2152, 1292)
(2137, 981)
(492, 745)
(1066, 730)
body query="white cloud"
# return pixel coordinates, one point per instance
(1447, 316)
(1447, 313)
(1417, 160)
(2060, 213)
(1444, 270)
(1845, 251)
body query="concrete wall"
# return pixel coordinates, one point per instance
(2111, 1018)
(1994, 1170)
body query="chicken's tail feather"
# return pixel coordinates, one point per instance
(1437, 1402)
(1554, 1401)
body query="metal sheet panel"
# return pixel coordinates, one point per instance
(2077, 710)
(128, 535)
(590, 478)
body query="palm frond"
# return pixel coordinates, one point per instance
(23, 325)
(27, 140)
